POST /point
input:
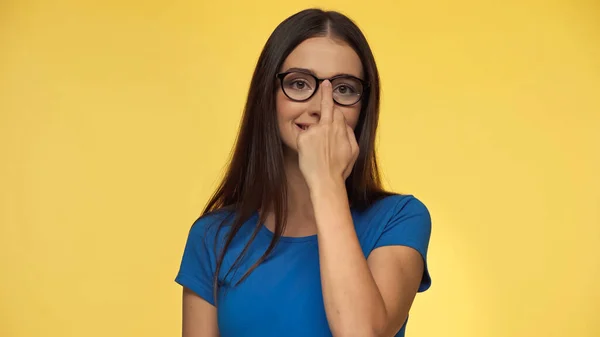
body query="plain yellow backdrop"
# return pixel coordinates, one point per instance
(117, 118)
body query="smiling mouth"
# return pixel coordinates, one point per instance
(302, 127)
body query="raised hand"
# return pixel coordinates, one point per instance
(327, 150)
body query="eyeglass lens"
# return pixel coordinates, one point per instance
(300, 86)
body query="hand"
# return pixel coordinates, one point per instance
(327, 150)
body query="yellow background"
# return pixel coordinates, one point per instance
(116, 118)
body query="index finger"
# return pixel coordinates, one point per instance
(326, 102)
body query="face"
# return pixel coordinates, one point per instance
(325, 58)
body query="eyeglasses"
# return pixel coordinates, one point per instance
(301, 86)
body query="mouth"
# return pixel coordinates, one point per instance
(302, 127)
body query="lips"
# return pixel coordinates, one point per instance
(303, 127)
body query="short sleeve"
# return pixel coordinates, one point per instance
(410, 225)
(198, 263)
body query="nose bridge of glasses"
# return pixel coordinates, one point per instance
(318, 92)
(321, 80)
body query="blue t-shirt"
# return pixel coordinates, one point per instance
(282, 296)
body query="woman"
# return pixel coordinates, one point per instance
(300, 239)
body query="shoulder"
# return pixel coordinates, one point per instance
(404, 219)
(398, 205)
(399, 219)
(208, 227)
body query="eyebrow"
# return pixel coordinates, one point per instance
(310, 71)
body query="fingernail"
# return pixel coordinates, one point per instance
(326, 83)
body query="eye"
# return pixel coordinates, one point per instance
(344, 89)
(298, 84)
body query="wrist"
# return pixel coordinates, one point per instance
(327, 187)
(330, 203)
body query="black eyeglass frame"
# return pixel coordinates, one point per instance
(365, 85)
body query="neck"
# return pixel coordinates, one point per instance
(300, 217)
(299, 202)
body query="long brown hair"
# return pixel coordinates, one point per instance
(255, 177)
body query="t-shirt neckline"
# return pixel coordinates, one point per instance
(292, 239)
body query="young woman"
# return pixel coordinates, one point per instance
(300, 239)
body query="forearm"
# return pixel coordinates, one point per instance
(353, 304)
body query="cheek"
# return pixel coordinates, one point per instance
(286, 109)
(352, 114)
(280, 108)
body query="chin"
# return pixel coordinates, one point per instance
(289, 148)
(289, 142)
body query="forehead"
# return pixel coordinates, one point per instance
(325, 57)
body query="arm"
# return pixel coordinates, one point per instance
(196, 275)
(362, 297)
(199, 316)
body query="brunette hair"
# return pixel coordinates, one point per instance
(255, 177)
